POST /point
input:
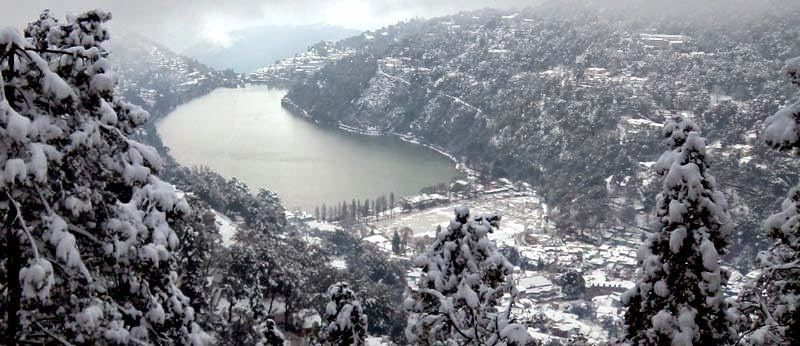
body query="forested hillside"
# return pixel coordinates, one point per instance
(570, 97)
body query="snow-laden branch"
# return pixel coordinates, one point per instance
(58, 338)
(24, 225)
(448, 311)
(784, 266)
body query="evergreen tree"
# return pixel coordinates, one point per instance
(89, 251)
(365, 209)
(345, 321)
(783, 128)
(769, 310)
(269, 334)
(406, 233)
(463, 278)
(396, 243)
(573, 285)
(678, 298)
(201, 243)
(391, 203)
(262, 269)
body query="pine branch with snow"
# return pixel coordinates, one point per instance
(457, 298)
(86, 219)
(782, 130)
(678, 298)
(768, 307)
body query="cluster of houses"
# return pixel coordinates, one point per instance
(607, 270)
(299, 67)
(466, 188)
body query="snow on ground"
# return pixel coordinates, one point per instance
(643, 121)
(376, 341)
(227, 228)
(518, 213)
(338, 263)
(322, 226)
(525, 226)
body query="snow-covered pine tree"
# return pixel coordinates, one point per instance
(572, 283)
(201, 244)
(254, 281)
(88, 251)
(264, 273)
(269, 334)
(464, 277)
(782, 130)
(396, 243)
(678, 298)
(345, 322)
(768, 307)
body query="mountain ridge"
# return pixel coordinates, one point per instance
(254, 47)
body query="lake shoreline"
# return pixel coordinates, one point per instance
(294, 109)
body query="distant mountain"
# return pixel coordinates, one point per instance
(260, 46)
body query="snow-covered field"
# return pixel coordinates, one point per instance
(518, 214)
(227, 228)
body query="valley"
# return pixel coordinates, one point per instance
(573, 172)
(394, 93)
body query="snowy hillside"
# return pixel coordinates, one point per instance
(568, 101)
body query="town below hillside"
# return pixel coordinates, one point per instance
(570, 284)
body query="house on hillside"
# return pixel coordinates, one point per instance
(536, 287)
(380, 241)
(663, 41)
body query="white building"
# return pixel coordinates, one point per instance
(536, 287)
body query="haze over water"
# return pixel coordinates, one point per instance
(245, 133)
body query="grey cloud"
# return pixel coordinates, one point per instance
(180, 23)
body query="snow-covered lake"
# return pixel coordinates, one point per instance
(245, 133)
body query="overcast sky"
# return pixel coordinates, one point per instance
(180, 23)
